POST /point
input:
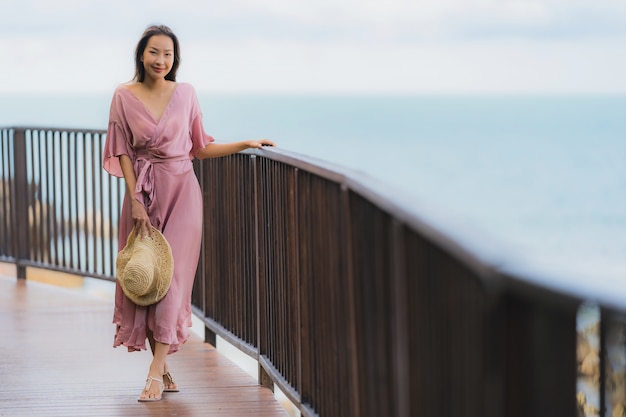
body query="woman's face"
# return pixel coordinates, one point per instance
(158, 57)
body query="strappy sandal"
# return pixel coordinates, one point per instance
(147, 388)
(168, 380)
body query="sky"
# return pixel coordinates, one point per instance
(323, 46)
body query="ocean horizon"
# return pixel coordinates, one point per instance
(543, 175)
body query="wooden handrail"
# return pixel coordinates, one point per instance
(353, 299)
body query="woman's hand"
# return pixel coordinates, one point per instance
(259, 143)
(141, 219)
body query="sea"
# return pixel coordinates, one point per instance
(541, 178)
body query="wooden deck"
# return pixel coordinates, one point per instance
(56, 359)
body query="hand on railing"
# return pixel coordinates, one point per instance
(259, 143)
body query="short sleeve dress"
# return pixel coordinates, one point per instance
(162, 152)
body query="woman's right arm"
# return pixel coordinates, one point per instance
(140, 217)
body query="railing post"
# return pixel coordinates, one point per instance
(352, 318)
(20, 197)
(210, 337)
(260, 296)
(540, 357)
(400, 343)
(603, 355)
(265, 379)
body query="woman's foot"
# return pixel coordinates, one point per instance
(168, 382)
(152, 391)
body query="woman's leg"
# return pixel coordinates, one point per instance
(150, 340)
(156, 370)
(167, 382)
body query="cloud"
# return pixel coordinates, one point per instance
(430, 67)
(407, 20)
(325, 46)
(540, 20)
(411, 20)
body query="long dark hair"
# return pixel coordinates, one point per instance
(140, 71)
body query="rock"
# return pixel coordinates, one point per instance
(583, 409)
(591, 411)
(619, 411)
(583, 347)
(581, 401)
(616, 386)
(590, 366)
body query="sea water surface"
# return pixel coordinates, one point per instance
(542, 176)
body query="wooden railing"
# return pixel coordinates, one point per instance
(354, 301)
(58, 208)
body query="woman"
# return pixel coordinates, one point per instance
(155, 130)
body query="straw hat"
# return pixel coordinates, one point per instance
(145, 268)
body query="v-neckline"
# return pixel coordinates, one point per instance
(147, 110)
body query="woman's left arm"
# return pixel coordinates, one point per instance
(215, 150)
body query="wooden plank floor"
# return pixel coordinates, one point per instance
(56, 359)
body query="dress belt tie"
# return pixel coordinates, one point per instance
(144, 187)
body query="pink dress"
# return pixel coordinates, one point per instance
(161, 151)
